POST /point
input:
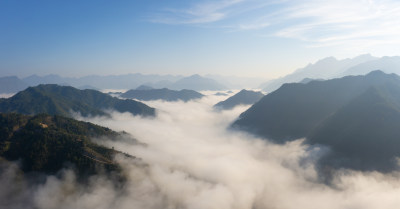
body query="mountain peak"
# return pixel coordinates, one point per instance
(376, 73)
(244, 97)
(327, 59)
(195, 76)
(380, 74)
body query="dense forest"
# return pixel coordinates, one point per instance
(46, 144)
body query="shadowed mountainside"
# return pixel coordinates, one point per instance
(357, 117)
(364, 134)
(244, 97)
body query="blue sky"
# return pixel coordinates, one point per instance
(232, 37)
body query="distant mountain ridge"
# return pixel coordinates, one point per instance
(162, 94)
(385, 64)
(127, 81)
(244, 97)
(11, 84)
(326, 68)
(197, 83)
(236, 82)
(60, 100)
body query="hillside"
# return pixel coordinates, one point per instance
(244, 97)
(295, 109)
(162, 94)
(357, 117)
(61, 100)
(365, 133)
(47, 143)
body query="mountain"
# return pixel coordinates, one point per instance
(221, 94)
(197, 83)
(357, 117)
(128, 81)
(365, 133)
(236, 82)
(244, 97)
(11, 84)
(46, 144)
(326, 68)
(385, 64)
(144, 87)
(295, 109)
(159, 84)
(61, 100)
(163, 94)
(88, 87)
(308, 80)
(35, 80)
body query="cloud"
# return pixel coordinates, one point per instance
(6, 95)
(199, 13)
(340, 22)
(362, 23)
(192, 161)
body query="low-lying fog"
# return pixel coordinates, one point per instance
(193, 161)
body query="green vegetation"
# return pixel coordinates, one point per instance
(61, 100)
(47, 144)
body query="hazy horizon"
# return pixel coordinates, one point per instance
(210, 74)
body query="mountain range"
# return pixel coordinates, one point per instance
(13, 84)
(386, 64)
(244, 97)
(357, 117)
(197, 83)
(127, 81)
(162, 94)
(330, 67)
(61, 100)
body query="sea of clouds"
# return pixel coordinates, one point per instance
(189, 158)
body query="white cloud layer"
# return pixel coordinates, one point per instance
(193, 161)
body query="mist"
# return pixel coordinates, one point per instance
(188, 158)
(6, 95)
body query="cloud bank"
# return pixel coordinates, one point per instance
(191, 160)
